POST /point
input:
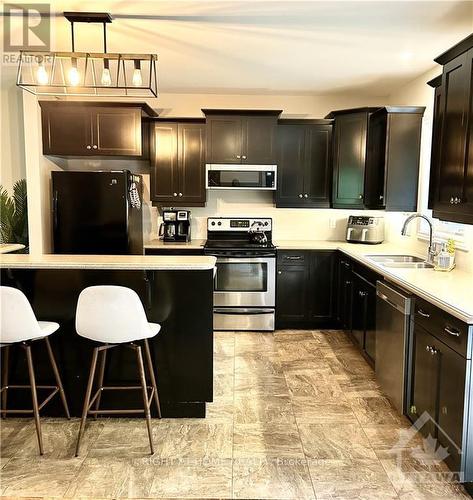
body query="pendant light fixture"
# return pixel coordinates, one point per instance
(85, 73)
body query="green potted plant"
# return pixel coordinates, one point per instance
(14, 215)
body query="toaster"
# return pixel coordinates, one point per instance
(365, 229)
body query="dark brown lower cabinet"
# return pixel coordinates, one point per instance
(364, 315)
(304, 288)
(438, 382)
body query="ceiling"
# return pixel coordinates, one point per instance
(282, 47)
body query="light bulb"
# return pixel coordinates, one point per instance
(41, 74)
(137, 80)
(106, 77)
(74, 76)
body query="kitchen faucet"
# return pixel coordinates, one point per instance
(432, 251)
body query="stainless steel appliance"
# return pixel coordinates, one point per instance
(176, 225)
(245, 281)
(97, 212)
(261, 177)
(393, 311)
(365, 229)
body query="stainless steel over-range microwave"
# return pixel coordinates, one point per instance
(261, 177)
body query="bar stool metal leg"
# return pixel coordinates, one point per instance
(103, 359)
(6, 357)
(87, 398)
(149, 362)
(146, 403)
(34, 397)
(58, 377)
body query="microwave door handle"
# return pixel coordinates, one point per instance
(363, 234)
(349, 231)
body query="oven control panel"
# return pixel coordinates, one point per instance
(237, 223)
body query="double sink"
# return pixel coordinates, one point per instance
(401, 261)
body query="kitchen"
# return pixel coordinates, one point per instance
(303, 258)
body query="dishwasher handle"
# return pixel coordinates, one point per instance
(394, 298)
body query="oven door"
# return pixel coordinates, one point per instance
(245, 282)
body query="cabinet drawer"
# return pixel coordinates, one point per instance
(444, 326)
(290, 257)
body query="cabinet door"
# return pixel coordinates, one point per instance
(359, 312)
(349, 160)
(466, 206)
(258, 140)
(317, 171)
(455, 106)
(321, 286)
(291, 165)
(451, 401)
(376, 161)
(191, 161)
(425, 379)
(345, 288)
(116, 131)
(224, 139)
(434, 157)
(370, 324)
(291, 293)
(67, 130)
(164, 165)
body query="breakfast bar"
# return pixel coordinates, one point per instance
(182, 352)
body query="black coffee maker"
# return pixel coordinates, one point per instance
(176, 225)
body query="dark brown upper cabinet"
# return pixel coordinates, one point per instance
(304, 160)
(241, 136)
(178, 162)
(451, 192)
(376, 157)
(76, 129)
(349, 157)
(392, 160)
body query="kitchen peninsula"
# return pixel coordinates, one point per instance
(182, 351)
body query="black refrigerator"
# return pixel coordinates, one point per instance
(97, 213)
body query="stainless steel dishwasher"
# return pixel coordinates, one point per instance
(393, 310)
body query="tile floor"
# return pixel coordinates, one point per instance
(297, 414)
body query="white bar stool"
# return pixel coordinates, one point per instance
(19, 326)
(115, 315)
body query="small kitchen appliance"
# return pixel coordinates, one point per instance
(365, 229)
(255, 177)
(245, 281)
(176, 225)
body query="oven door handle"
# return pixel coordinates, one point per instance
(242, 310)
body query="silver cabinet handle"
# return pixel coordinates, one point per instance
(279, 272)
(362, 294)
(89, 146)
(306, 195)
(381, 196)
(174, 194)
(94, 146)
(239, 157)
(452, 331)
(423, 314)
(360, 196)
(244, 157)
(451, 200)
(300, 195)
(180, 194)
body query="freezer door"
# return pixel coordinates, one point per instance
(90, 212)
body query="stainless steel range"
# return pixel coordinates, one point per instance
(245, 281)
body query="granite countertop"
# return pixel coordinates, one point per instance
(160, 244)
(451, 291)
(131, 262)
(10, 247)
